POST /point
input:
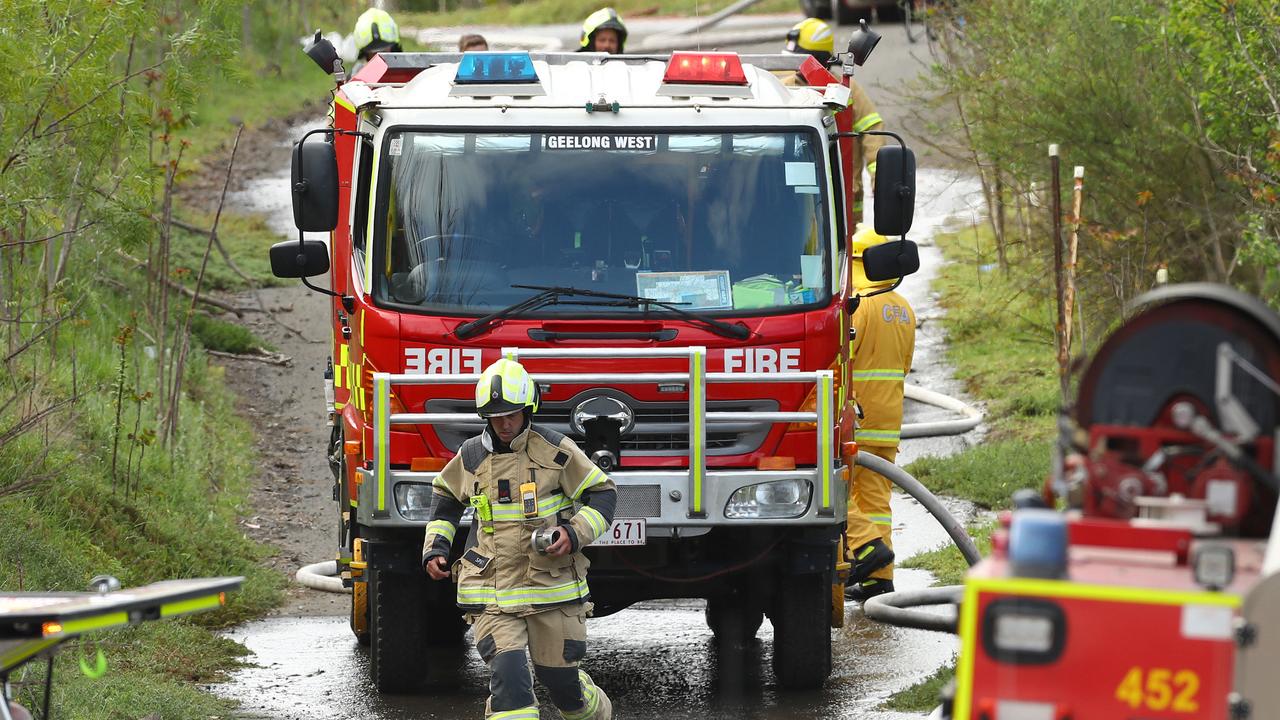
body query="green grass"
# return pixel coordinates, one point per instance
(543, 12)
(246, 238)
(224, 336)
(923, 696)
(159, 517)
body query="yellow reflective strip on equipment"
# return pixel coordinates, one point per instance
(1081, 591)
(871, 167)
(344, 360)
(594, 519)
(443, 528)
(382, 437)
(880, 519)
(968, 648)
(697, 426)
(24, 650)
(340, 99)
(825, 428)
(72, 627)
(867, 121)
(524, 713)
(182, 607)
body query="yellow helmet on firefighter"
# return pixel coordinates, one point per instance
(376, 32)
(814, 37)
(602, 19)
(505, 387)
(865, 237)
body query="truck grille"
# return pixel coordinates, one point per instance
(661, 428)
(639, 501)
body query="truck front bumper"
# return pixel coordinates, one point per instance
(669, 501)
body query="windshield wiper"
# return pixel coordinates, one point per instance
(719, 327)
(470, 329)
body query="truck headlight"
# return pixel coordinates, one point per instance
(413, 500)
(775, 499)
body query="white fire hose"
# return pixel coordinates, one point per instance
(321, 576)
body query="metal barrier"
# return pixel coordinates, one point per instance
(697, 378)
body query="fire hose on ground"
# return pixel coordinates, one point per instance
(888, 608)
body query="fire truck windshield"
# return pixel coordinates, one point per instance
(720, 223)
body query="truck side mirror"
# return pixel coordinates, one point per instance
(895, 191)
(322, 52)
(315, 186)
(891, 260)
(294, 259)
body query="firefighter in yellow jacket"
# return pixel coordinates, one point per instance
(884, 342)
(523, 601)
(814, 37)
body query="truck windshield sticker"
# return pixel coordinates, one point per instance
(602, 142)
(695, 290)
(800, 173)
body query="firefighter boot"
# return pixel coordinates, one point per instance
(868, 558)
(868, 589)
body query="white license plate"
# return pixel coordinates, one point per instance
(623, 531)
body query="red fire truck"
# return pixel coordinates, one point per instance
(662, 241)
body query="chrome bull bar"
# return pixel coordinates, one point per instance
(829, 493)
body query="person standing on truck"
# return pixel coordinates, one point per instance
(375, 32)
(884, 342)
(604, 32)
(520, 600)
(812, 36)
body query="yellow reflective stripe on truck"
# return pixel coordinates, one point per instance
(825, 428)
(381, 436)
(697, 427)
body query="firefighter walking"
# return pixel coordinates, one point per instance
(814, 37)
(882, 348)
(523, 482)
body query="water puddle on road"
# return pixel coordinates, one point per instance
(656, 659)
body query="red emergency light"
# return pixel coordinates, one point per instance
(699, 68)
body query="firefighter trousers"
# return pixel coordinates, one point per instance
(869, 514)
(557, 641)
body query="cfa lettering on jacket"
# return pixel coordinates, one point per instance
(897, 313)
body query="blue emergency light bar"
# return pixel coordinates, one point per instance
(495, 68)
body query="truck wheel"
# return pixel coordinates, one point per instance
(397, 653)
(802, 632)
(733, 624)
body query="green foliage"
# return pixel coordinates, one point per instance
(220, 335)
(120, 448)
(1161, 102)
(946, 563)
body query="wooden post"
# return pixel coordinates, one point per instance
(1069, 297)
(1055, 204)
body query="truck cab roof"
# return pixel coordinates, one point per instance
(574, 80)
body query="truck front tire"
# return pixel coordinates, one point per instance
(802, 632)
(397, 653)
(732, 622)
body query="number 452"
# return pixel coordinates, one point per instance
(1163, 689)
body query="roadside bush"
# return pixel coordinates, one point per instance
(1172, 109)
